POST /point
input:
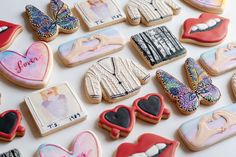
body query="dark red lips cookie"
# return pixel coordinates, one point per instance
(148, 145)
(207, 30)
(8, 32)
(10, 125)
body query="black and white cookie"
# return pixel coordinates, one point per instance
(11, 153)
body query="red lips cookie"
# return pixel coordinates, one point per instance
(207, 30)
(148, 145)
(10, 125)
(8, 32)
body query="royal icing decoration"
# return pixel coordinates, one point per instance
(207, 30)
(8, 32)
(208, 129)
(100, 13)
(11, 153)
(151, 12)
(86, 144)
(55, 108)
(124, 76)
(211, 6)
(148, 145)
(187, 99)
(157, 46)
(220, 60)
(32, 69)
(91, 47)
(48, 28)
(10, 125)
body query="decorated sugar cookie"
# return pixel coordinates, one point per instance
(125, 78)
(10, 125)
(233, 84)
(86, 144)
(211, 6)
(158, 46)
(151, 12)
(148, 145)
(55, 108)
(97, 14)
(219, 60)
(11, 153)
(48, 28)
(207, 30)
(201, 88)
(90, 47)
(8, 32)
(209, 129)
(30, 70)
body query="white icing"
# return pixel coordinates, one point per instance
(3, 28)
(204, 26)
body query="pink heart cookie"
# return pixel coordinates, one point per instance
(30, 70)
(85, 144)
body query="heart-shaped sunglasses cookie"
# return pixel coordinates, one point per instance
(201, 88)
(31, 69)
(86, 144)
(120, 120)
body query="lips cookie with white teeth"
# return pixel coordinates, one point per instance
(148, 145)
(207, 30)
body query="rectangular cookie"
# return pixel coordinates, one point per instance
(158, 46)
(209, 129)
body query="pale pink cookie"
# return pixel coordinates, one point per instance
(86, 144)
(30, 70)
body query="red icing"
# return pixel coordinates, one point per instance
(8, 35)
(145, 142)
(21, 64)
(211, 36)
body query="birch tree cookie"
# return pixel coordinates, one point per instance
(209, 129)
(211, 6)
(114, 79)
(11, 153)
(97, 14)
(48, 28)
(219, 60)
(207, 30)
(8, 33)
(55, 108)
(158, 46)
(90, 47)
(151, 12)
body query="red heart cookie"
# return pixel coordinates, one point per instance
(10, 125)
(148, 145)
(207, 30)
(30, 70)
(8, 32)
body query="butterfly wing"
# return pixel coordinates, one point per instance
(187, 100)
(50, 150)
(41, 23)
(63, 16)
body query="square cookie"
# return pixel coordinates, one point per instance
(55, 108)
(100, 13)
(158, 46)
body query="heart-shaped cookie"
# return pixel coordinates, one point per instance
(10, 125)
(119, 121)
(151, 108)
(85, 144)
(207, 30)
(148, 145)
(8, 32)
(31, 70)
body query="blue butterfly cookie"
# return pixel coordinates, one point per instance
(47, 28)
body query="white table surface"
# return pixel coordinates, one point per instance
(12, 96)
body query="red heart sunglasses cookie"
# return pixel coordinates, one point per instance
(119, 121)
(10, 125)
(207, 30)
(8, 32)
(148, 145)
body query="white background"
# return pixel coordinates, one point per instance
(12, 96)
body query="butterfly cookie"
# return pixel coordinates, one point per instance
(48, 28)
(201, 88)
